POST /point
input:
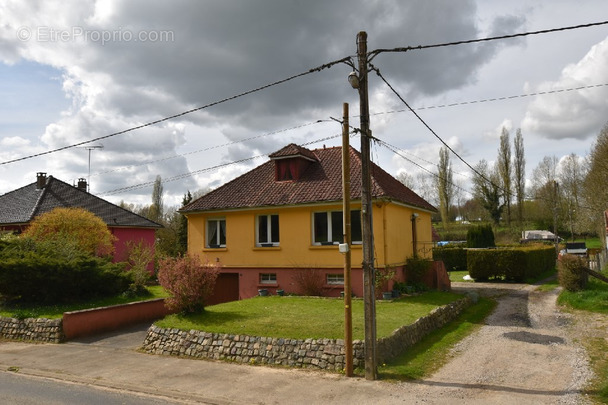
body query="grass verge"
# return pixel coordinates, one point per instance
(458, 276)
(593, 299)
(305, 317)
(433, 352)
(56, 311)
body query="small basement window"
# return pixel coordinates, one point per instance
(268, 278)
(335, 279)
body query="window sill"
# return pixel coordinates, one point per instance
(275, 285)
(266, 248)
(215, 249)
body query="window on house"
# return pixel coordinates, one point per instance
(335, 279)
(328, 228)
(268, 230)
(216, 232)
(268, 278)
(286, 169)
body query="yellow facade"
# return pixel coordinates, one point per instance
(392, 226)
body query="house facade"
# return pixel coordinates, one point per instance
(278, 226)
(19, 207)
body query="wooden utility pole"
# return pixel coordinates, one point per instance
(369, 294)
(348, 314)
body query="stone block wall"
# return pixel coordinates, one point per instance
(34, 329)
(326, 354)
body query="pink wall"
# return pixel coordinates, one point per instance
(124, 235)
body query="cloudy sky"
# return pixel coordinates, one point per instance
(73, 71)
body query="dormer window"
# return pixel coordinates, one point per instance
(291, 162)
(286, 169)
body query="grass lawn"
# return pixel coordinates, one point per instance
(593, 299)
(56, 311)
(458, 276)
(432, 352)
(305, 317)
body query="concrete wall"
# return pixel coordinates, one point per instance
(96, 320)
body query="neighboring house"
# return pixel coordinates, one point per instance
(19, 207)
(279, 225)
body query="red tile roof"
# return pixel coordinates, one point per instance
(321, 182)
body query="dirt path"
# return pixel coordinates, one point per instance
(524, 354)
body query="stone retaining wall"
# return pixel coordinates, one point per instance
(39, 330)
(326, 354)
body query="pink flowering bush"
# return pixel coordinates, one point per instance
(189, 281)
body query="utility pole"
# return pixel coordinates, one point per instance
(348, 314)
(369, 294)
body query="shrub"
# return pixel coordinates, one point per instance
(38, 278)
(189, 281)
(415, 269)
(514, 264)
(84, 228)
(310, 282)
(454, 258)
(139, 256)
(480, 236)
(383, 276)
(570, 272)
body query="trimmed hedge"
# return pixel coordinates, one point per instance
(571, 274)
(480, 236)
(513, 264)
(41, 279)
(454, 258)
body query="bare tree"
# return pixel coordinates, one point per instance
(571, 177)
(595, 191)
(546, 192)
(425, 187)
(406, 179)
(505, 170)
(445, 186)
(519, 174)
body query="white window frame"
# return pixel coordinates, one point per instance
(334, 279)
(330, 235)
(218, 223)
(269, 233)
(268, 278)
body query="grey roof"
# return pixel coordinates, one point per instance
(24, 204)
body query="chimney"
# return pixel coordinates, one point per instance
(82, 184)
(40, 180)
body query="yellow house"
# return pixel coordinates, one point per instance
(278, 226)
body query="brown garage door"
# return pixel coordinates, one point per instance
(226, 289)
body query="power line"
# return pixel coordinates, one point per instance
(375, 52)
(204, 170)
(212, 104)
(162, 159)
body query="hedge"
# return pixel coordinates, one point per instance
(454, 258)
(41, 279)
(513, 264)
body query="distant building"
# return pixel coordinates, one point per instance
(19, 207)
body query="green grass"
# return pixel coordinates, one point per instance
(432, 353)
(56, 311)
(458, 275)
(305, 317)
(594, 298)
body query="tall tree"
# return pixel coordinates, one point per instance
(505, 170)
(406, 179)
(571, 177)
(445, 186)
(595, 191)
(183, 226)
(546, 192)
(519, 174)
(156, 210)
(487, 190)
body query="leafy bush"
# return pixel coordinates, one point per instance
(42, 279)
(454, 258)
(139, 256)
(189, 281)
(480, 236)
(415, 269)
(89, 233)
(570, 273)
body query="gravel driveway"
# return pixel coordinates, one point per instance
(524, 354)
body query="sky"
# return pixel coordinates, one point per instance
(75, 71)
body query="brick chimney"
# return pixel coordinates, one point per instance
(82, 184)
(40, 180)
